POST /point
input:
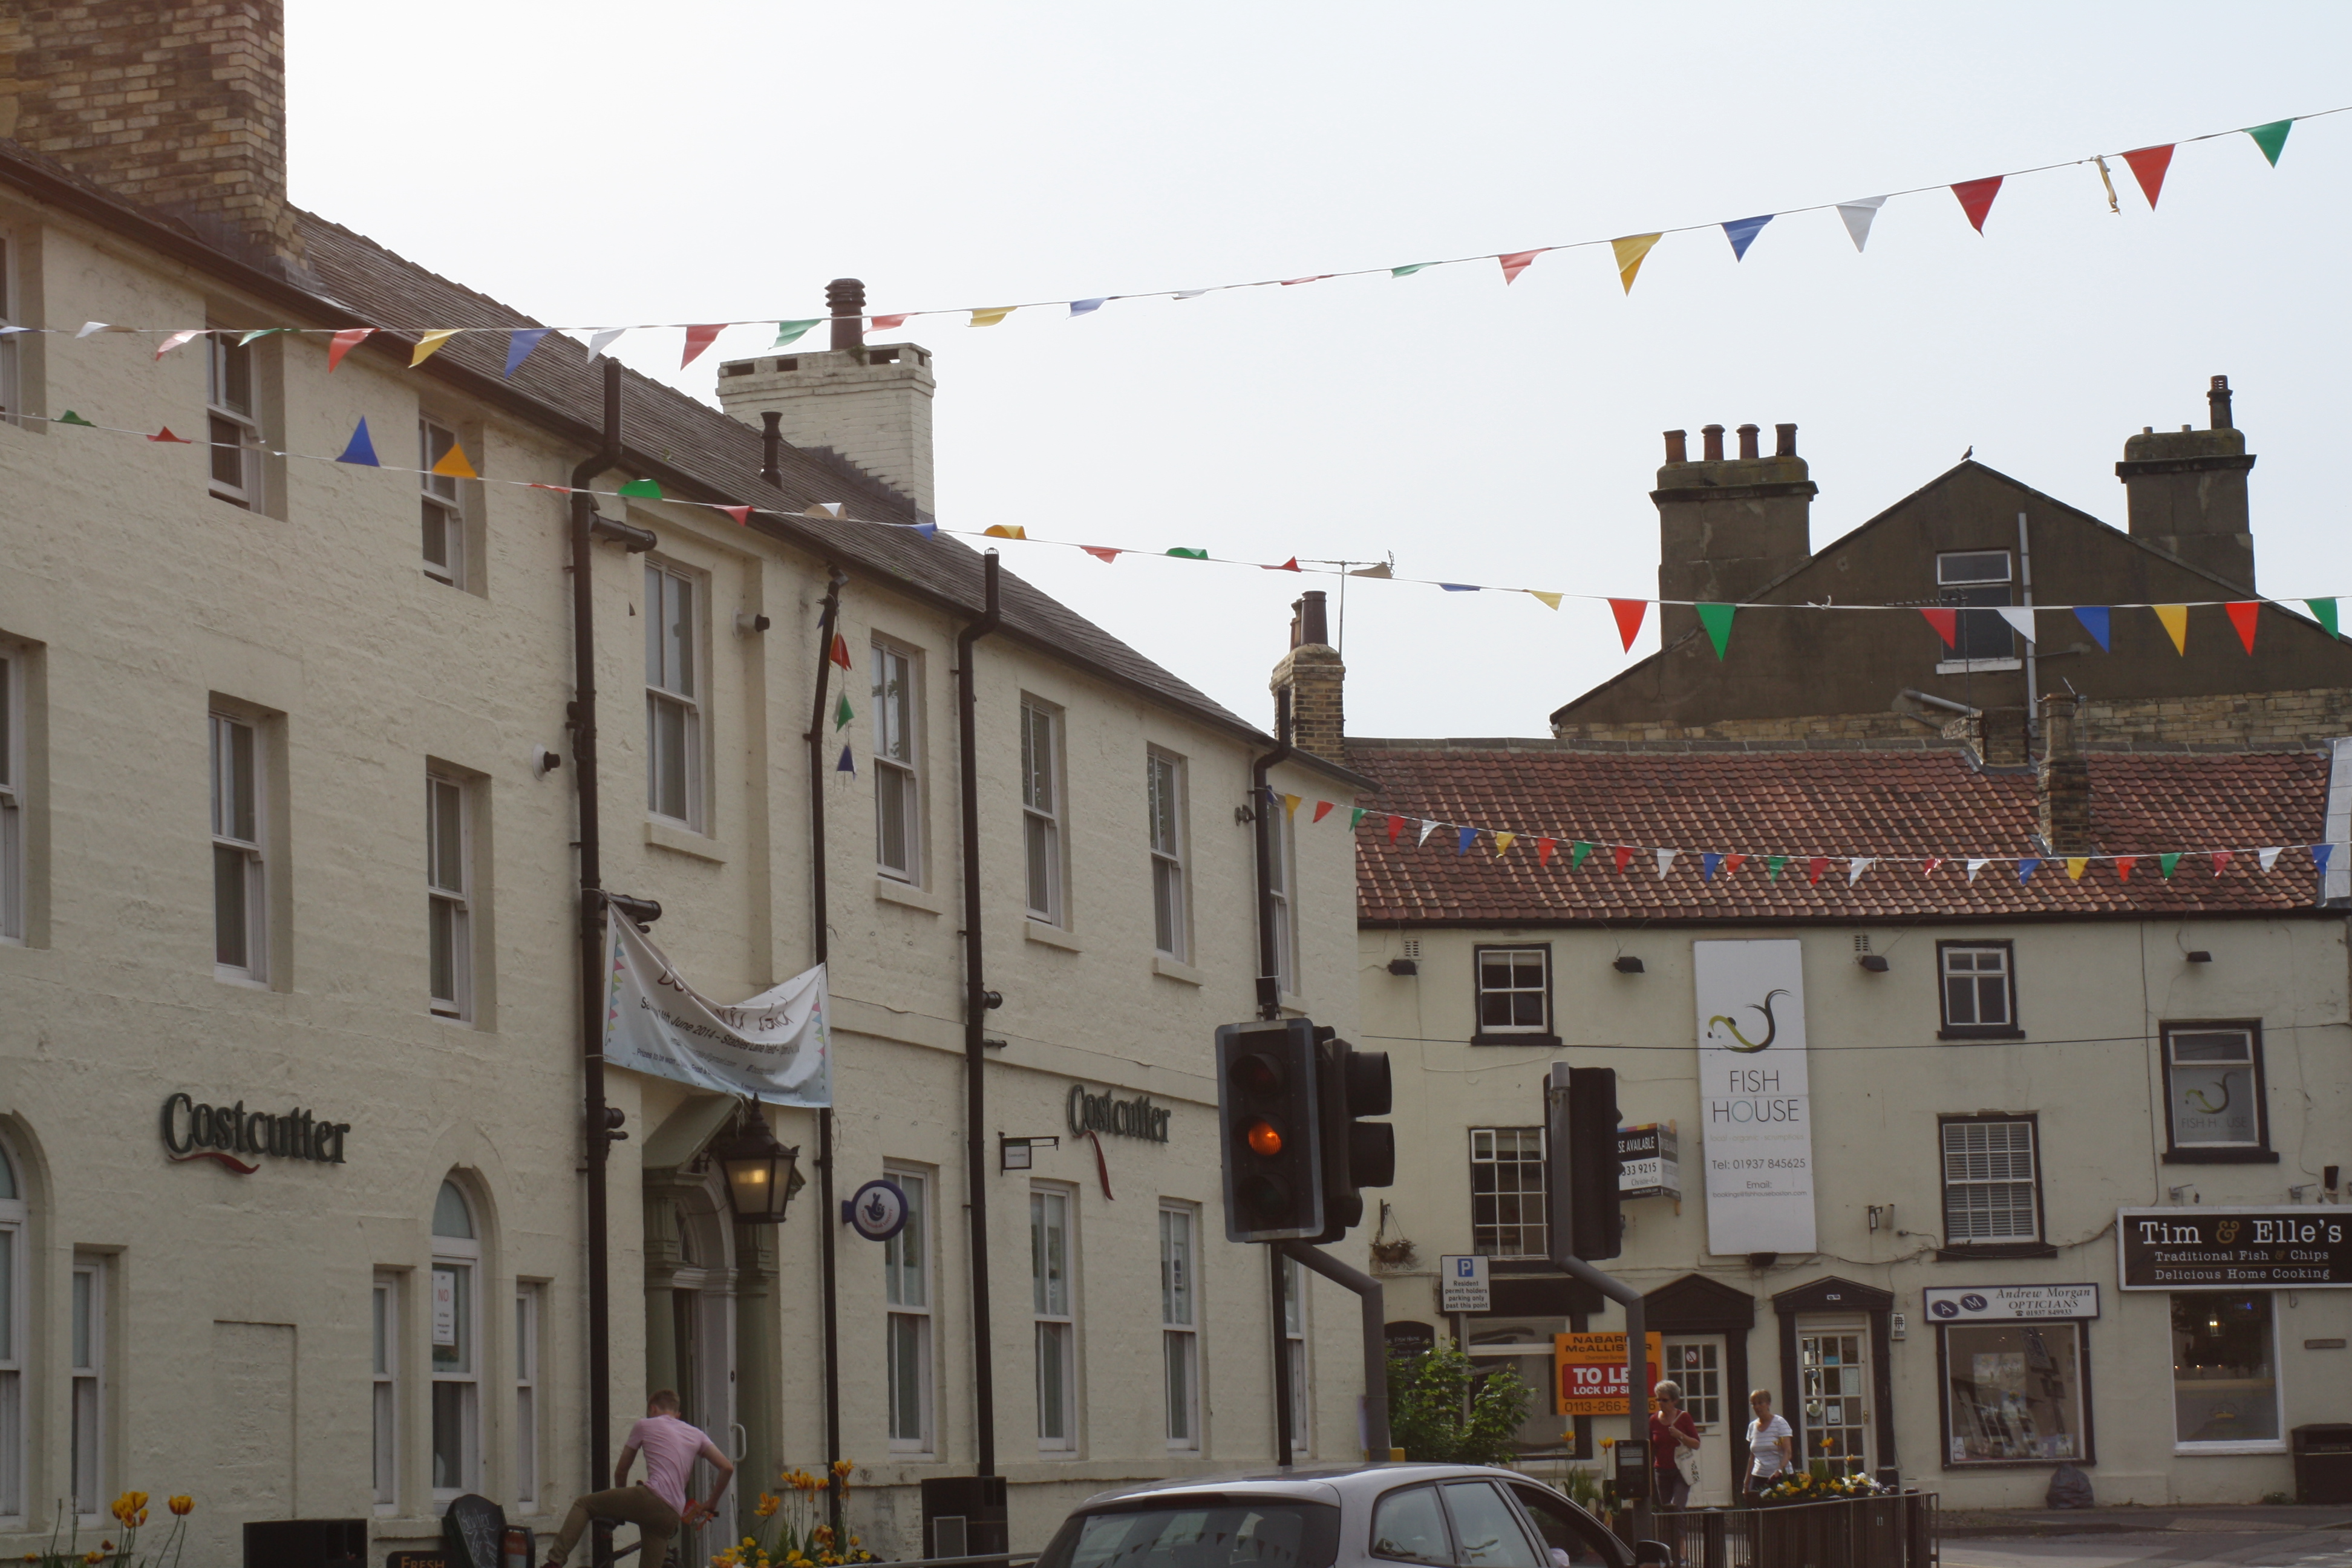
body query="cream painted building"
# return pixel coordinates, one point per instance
(1994, 1074)
(278, 834)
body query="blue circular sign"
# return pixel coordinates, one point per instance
(877, 1211)
(1944, 1310)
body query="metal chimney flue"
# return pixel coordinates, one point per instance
(2217, 399)
(845, 301)
(772, 442)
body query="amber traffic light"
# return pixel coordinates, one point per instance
(1266, 1079)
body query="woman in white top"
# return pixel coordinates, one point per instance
(1769, 1442)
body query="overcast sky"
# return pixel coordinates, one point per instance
(700, 159)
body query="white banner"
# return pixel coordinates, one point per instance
(774, 1047)
(1755, 1108)
(1957, 1303)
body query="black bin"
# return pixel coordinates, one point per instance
(2323, 1463)
(305, 1542)
(964, 1516)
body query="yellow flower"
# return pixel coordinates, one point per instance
(93, 1558)
(183, 1506)
(841, 1466)
(769, 1502)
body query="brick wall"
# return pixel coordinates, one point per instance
(1315, 678)
(178, 105)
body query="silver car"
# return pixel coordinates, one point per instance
(1360, 1516)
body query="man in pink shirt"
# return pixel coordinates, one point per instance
(657, 1505)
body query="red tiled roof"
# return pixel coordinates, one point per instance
(1801, 804)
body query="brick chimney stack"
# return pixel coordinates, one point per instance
(1727, 526)
(2188, 492)
(2063, 783)
(177, 105)
(1313, 675)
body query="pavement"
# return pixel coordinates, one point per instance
(2266, 1536)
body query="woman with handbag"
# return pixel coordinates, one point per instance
(1674, 1448)
(1770, 1443)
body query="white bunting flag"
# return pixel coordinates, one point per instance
(89, 327)
(1426, 829)
(1857, 216)
(1666, 861)
(2269, 858)
(1975, 867)
(598, 342)
(1855, 866)
(175, 340)
(2019, 618)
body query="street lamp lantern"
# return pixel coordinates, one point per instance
(762, 1175)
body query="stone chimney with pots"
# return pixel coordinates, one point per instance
(2062, 783)
(2188, 492)
(871, 405)
(177, 105)
(1311, 672)
(1727, 526)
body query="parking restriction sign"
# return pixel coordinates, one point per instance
(1462, 1285)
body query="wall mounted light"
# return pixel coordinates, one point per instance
(1627, 965)
(2198, 956)
(761, 1174)
(2174, 1194)
(1404, 967)
(1875, 963)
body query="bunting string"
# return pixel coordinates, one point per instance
(1975, 197)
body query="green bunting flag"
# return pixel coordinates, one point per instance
(789, 332)
(2271, 138)
(642, 488)
(842, 714)
(1408, 271)
(1772, 868)
(1717, 619)
(71, 417)
(2324, 610)
(1576, 855)
(2165, 864)
(1190, 555)
(1354, 818)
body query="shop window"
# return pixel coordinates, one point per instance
(674, 738)
(1979, 991)
(445, 512)
(906, 1329)
(897, 779)
(13, 1223)
(456, 1353)
(1513, 995)
(1976, 578)
(2015, 1394)
(1507, 1191)
(2214, 1094)
(87, 1364)
(1180, 1325)
(1041, 810)
(1163, 780)
(2225, 1393)
(1993, 1192)
(1524, 1350)
(384, 1392)
(1055, 1309)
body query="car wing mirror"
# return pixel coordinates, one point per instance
(1647, 1552)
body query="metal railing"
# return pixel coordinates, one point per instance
(1892, 1529)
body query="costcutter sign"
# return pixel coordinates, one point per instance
(1136, 1117)
(2002, 1303)
(2296, 1247)
(194, 1130)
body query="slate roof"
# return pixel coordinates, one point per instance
(1802, 804)
(694, 450)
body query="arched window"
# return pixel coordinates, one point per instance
(13, 1222)
(456, 1310)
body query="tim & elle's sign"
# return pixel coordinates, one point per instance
(2294, 1247)
(2008, 1303)
(1136, 1117)
(192, 1130)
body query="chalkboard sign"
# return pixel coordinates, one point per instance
(418, 1560)
(474, 1529)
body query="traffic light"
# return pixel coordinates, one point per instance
(1356, 1153)
(1267, 1082)
(1589, 1164)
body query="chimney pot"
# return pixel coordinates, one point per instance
(771, 441)
(1314, 625)
(2062, 781)
(1677, 445)
(845, 301)
(1747, 434)
(1786, 445)
(1712, 435)
(2217, 399)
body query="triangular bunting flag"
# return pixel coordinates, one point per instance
(927, 529)
(1544, 846)
(1975, 867)
(1396, 826)
(1772, 864)
(1577, 851)
(1102, 552)
(519, 343)
(175, 340)
(1427, 828)
(1629, 614)
(1857, 216)
(2222, 859)
(453, 465)
(166, 435)
(641, 489)
(431, 343)
(2147, 166)
(2176, 625)
(2243, 614)
(1946, 624)
(2271, 138)
(843, 713)
(1449, 588)
(1290, 806)
(1709, 862)
(2165, 865)
(2323, 612)
(1717, 619)
(88, 328)
(71, 417)
(2026, 868)
(833, 509)
(1552, 599)
(1181, 553)
(1815, 866)
(1289, 566)
(1623, 855)
(1518, 261)
(839, 651)
(1005, 531)
(1731, 863)
(1087, 307)
(890, 323)
(2124, 864)
(1409, 271)
(2075, 865)
(1629, 252)
(261, 333)
(1855, 866)
(1742, 233)
(990, 317)
(699, 339)
(360, 449)
(1928, 868)
(343, 342)
(1295, 282)
(2269, 858)
(1666, 861)
(2319, 852)
(1503, 842)
(2019, 618)
(598, 342)
(1976, 199)
(848, 764)
(741, 514)
(1322, 810)
(789, 332)
(2094, 621)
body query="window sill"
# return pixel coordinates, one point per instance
(242, 979)
(1979, 1032)
(2190, 1450)
(890, 891)
(1993, 1250)
(681, 840)
(1977, 666)
(1170, 969)
(1045, 935)
(2221, 1157)
(1547, 1042)
(2015, 1464)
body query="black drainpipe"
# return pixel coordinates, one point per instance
(829, 1218)
(977, 1000)
(1269, 961)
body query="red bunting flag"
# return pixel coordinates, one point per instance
(1624, 853)
(165, 434)
(2147, 166)
(1815, 867)
(1732, 863)
(1102, 552)
(1289, 566)
(1396, 826)
(343, 342)
(1294, 282)
(1544, 846)
(1629, 614)
(1322, 810)
(2124, 864)
(840, 654)
(1976, 199)
(2242, 615)
(1946, 624)
(1518, 261)
(890, 323)
(1929, 869)
(699, 339)
(2221, 859)
(741, 514)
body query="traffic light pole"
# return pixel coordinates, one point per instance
(1376, 1356)
(1558, 1141)
(1284, 1438)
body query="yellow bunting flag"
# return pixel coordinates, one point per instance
(1005, 530)
(431, 343)
(1503, 842)
(452, 464)
(2075, 864)
(991, 317)
(2176, 625)
(1550, 599)
(1290, 805)
(1629, 251)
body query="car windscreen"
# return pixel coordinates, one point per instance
(1200, 1533)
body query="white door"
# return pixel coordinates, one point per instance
(1834, 1400)
(1694, 1365)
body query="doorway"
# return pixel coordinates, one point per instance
(1835, 1392)
(1696, 1363)
(697, 1355)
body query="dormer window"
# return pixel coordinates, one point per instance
(1977, 577)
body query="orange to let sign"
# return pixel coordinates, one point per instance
(1589, 1372)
